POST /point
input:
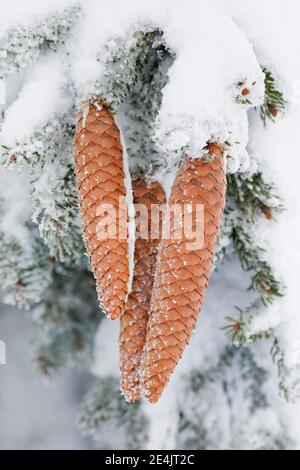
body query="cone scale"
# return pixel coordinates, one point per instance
(100, 179)
(134, 321)
(182, 274)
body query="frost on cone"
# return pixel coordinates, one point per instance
(134, 320)
(101, 182)
(182, 273)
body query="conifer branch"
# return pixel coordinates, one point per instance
(21, 45)
(250, 197)
(274, 100)
(253, 195)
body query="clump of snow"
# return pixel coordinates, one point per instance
(212, 55)
(198, 102)
(25, 12)
(38, 24)
(263, 25)
(39, 100)
(131, 213)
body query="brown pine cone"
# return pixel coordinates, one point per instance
(182, 273)
(100, 178)
(134, 320)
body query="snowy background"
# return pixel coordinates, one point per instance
(34, 413)
(42, 414)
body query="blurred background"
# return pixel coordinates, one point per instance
(36, 412)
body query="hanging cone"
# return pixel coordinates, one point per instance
(134, 320)
(182, 273)
(100, 181)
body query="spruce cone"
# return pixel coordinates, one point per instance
(100, 181)
(182, 274)
(134, 320)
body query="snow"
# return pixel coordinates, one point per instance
(272, 49)
(209, 87)
(281, 237)
(275, 151)
(40, 99)
(27, 11)
(163, 419)
(198, 102)
(131, 212)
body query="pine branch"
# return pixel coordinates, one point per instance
(253, 195)
(250, 197)
(263, 281)
(48, 143)
(274, 100)
(24, 273)
(239, 329)
(54, 198)
(124, 61)
(20, 46)
(142, 104)
(55, 210)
